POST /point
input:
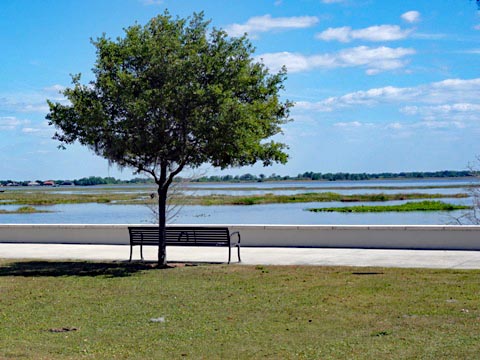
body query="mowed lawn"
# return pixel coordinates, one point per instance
(76, 310)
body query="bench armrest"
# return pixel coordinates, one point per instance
(238, 238)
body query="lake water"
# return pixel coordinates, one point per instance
(256, 214)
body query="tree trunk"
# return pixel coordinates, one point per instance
(162, 205)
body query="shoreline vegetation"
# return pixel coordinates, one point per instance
(409, 206)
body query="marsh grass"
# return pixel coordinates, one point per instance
(23, 210)
(409, 206)
(309, 197)
(244, 312)
(130, 197)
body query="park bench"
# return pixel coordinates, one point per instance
(184, 236)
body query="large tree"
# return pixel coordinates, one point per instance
(174, 94)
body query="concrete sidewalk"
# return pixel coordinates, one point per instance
(441, 259)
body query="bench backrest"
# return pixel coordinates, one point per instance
(213, 236)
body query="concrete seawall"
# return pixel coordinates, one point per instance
(322, 236)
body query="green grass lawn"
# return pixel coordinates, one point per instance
(236, 312)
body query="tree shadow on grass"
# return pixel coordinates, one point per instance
(73, 268)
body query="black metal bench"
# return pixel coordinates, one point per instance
(184, 236)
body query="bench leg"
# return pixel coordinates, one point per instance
(230, 253)
(141, 252)
(237, 245)
(131, 249)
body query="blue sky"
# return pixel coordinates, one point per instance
(378, 85)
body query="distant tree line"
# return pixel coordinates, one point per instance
(95, 180)
(308, 175)
(86, 181)
(386, 175)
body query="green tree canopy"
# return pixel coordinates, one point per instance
(173, 94)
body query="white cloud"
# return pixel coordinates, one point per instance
(321, 106)
(427, 36)
(32, 102)
(54, 88)
(456, 113)
(436, 124)
(471, 51)
(372, 33)
(10, 123)
(359, 98)
(352, 124)
(445, 109)
(296, 62)
(454, 95)
(410, 129)
(395, 126)
(33, 108)
(41, 129)
(381, 33)
(333, 1)
(375, 60)
(25, 105)
(259, 24)
(397, 129)
(477, 27)
(411, 16)
(410, 110)
(342, 34)
(447, 104)
(29, 130)
(461, 87)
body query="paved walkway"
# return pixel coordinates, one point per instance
(254, 256)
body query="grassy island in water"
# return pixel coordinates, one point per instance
(409, 206)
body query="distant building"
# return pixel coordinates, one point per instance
(49, 183)
(33, 183)
(67, 183)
